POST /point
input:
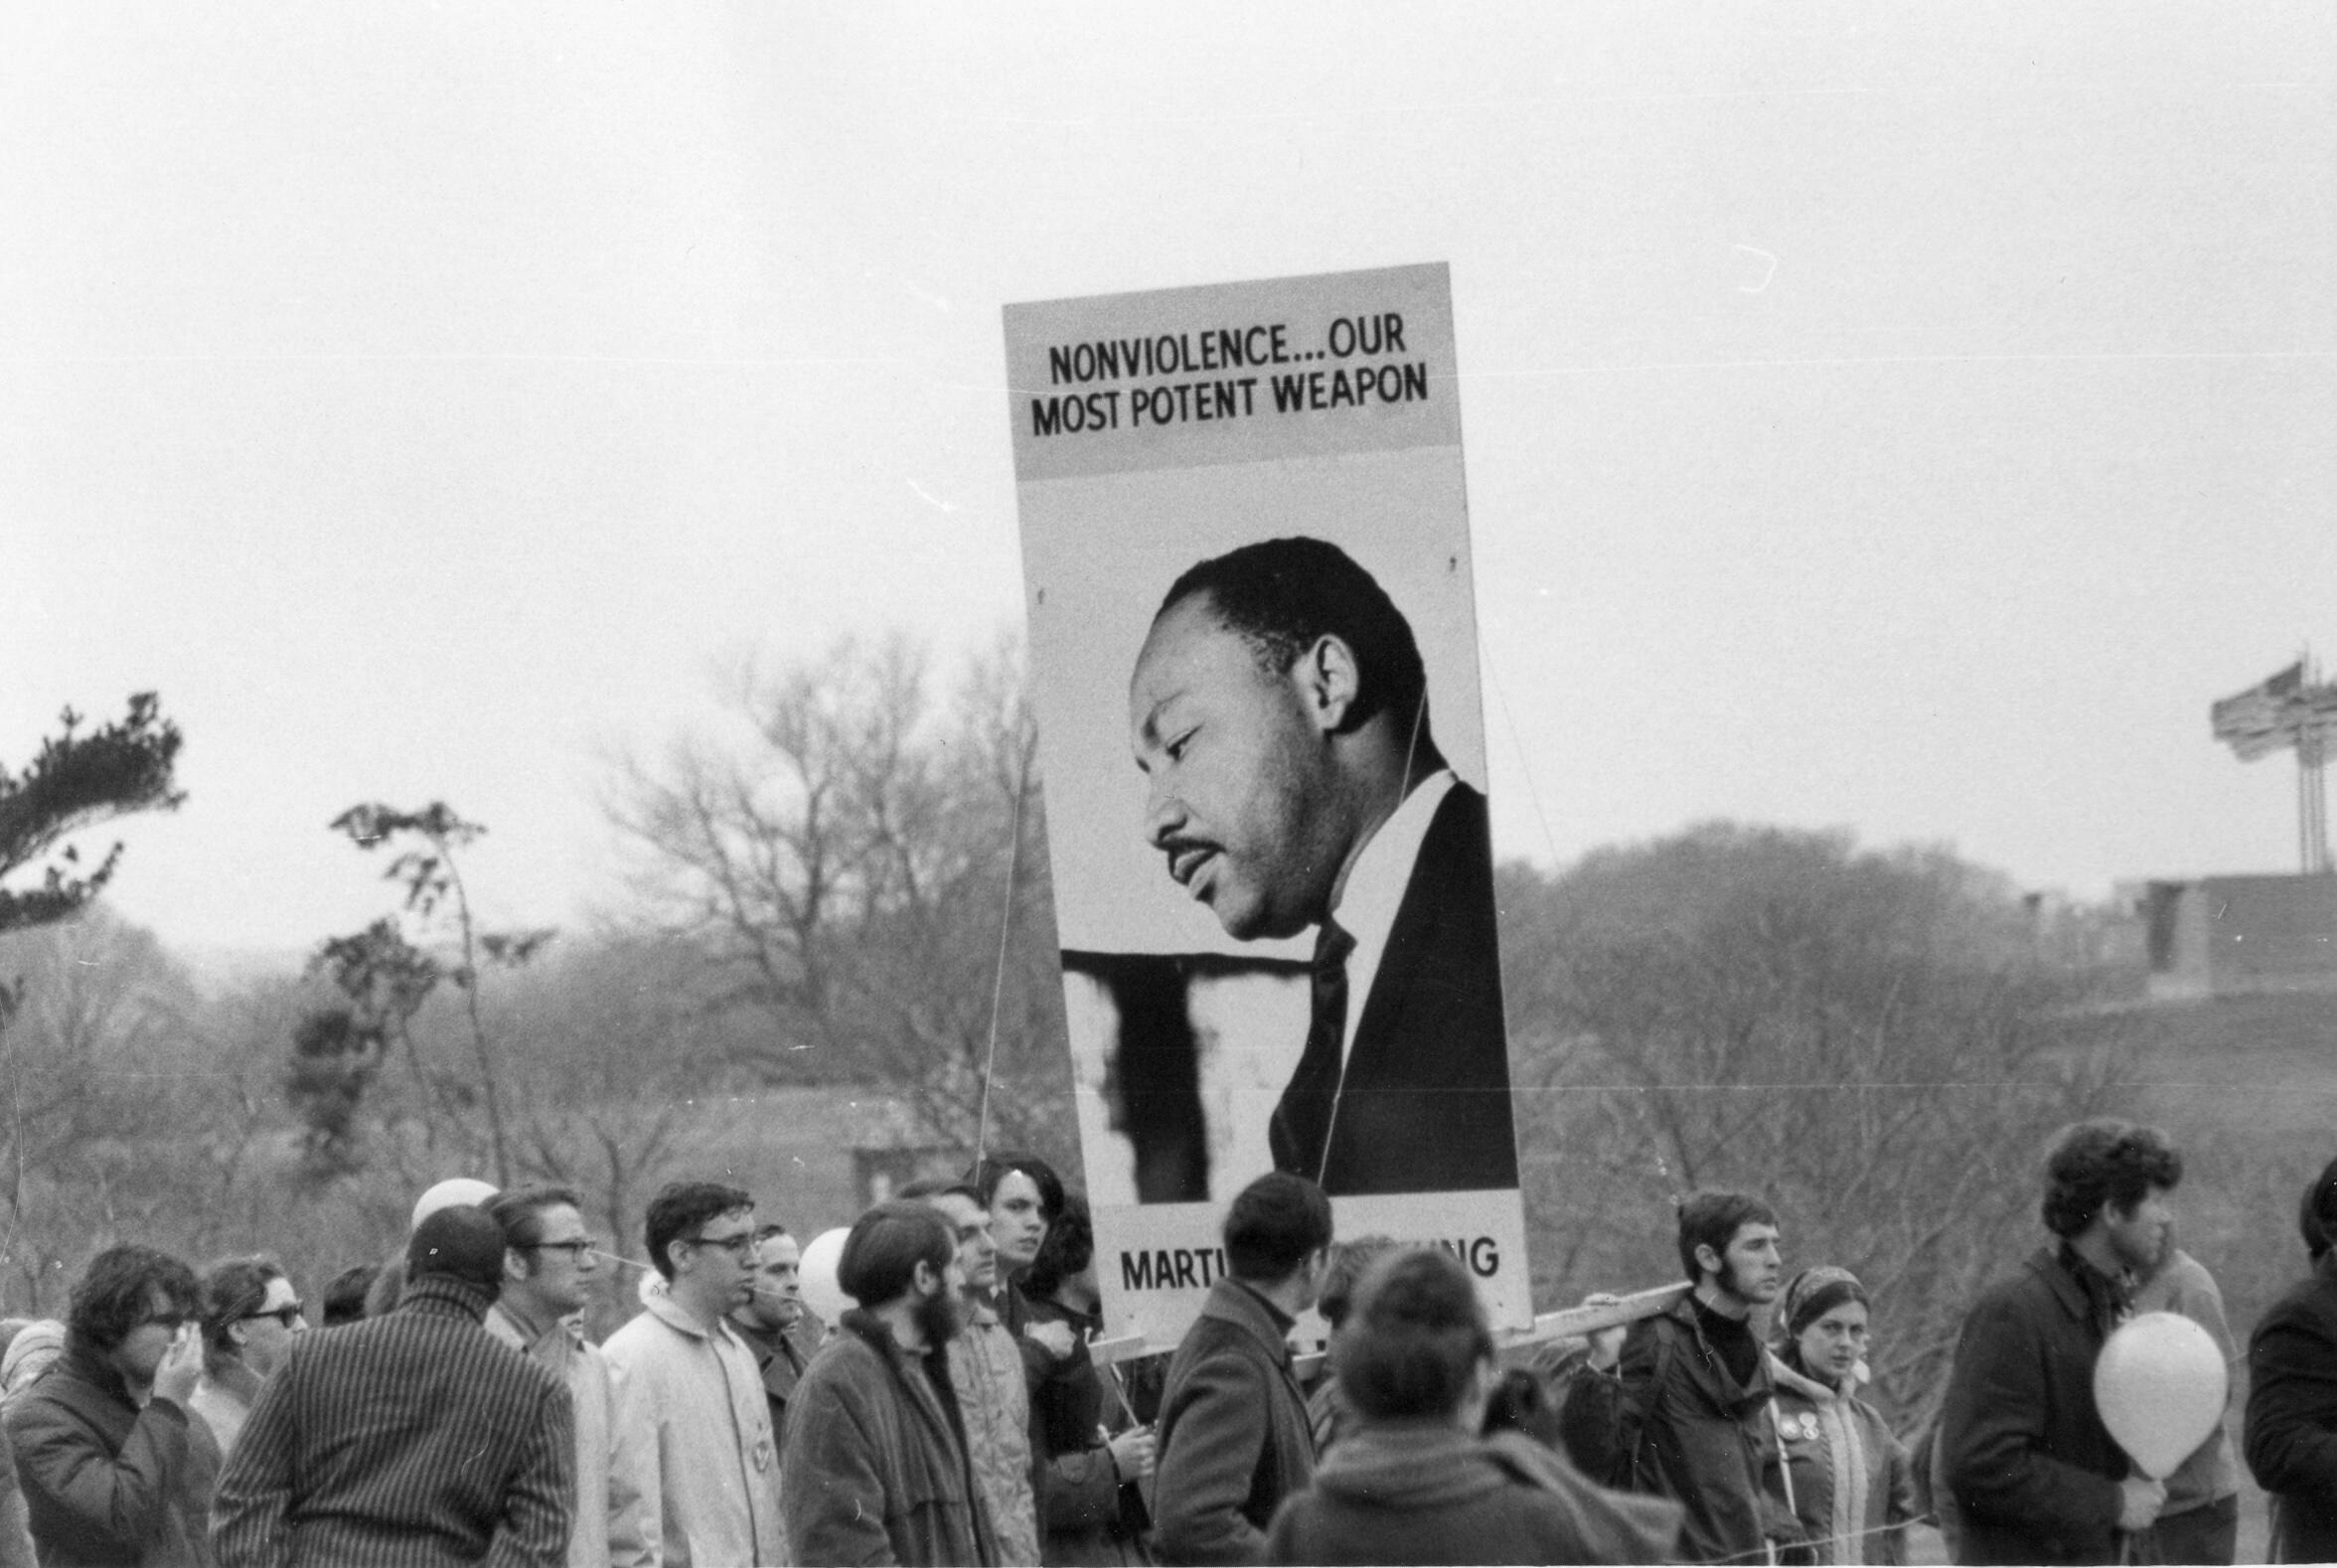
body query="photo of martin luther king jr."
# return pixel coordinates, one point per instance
(1279, 712)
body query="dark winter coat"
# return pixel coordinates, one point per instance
(782, 1357)
(874, 1469)
(2032, 1471)
(1425, 1491)
(1234, 1435)
(104, 1480)
(1673, 1421)
(1087, 1517)
(2290, 1436)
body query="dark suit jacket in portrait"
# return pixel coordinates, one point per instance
(1424, 1104)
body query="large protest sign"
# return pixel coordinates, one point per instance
(1220, 776)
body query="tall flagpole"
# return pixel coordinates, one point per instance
(2313, 799)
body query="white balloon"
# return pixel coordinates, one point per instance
(2160, 1385)
(447, 1193)
(817, 1274)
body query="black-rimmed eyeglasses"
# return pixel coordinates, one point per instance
(288, 1315)
(740, 1246)
(575, 1249)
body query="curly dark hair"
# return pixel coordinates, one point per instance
(2104, 1162)
(115, 1294)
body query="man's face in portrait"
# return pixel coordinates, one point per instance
(1243, 800)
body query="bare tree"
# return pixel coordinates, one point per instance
(100, 1076)
(870, 873)
(1866, 1038)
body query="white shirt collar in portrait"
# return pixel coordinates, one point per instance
(1375, 890)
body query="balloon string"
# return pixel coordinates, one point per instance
(997, 985)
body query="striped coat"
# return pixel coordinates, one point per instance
(409, 1441)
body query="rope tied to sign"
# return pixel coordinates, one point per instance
(998, 981)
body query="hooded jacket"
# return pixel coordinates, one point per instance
(1426, 1491)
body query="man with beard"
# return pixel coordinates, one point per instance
(1679, 1405)
(1279, 712)
(687, 1385)
(875, 1468)
(986, 1374)
(2034, 1475)
(774, 1323)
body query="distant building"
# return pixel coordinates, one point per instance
(2223, 936)
(817, 1157)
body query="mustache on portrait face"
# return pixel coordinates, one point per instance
(1183, 853)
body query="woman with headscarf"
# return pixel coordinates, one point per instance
(1848, 1475)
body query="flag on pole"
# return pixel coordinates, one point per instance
(2258, 722)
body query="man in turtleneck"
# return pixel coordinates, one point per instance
(1678, 1406)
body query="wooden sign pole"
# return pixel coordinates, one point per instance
(1572, 1322)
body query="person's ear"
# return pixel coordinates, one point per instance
(1707, 1260)
(1331, 680)
(925, 1279)
(515, 1267)
(238, 1335)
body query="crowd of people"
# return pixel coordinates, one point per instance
(450, 1408)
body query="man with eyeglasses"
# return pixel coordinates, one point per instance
(114, 1468)
(687, 1384)
(550, 1264)
(250, 1312)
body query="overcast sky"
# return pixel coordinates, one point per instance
(1906, 419)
